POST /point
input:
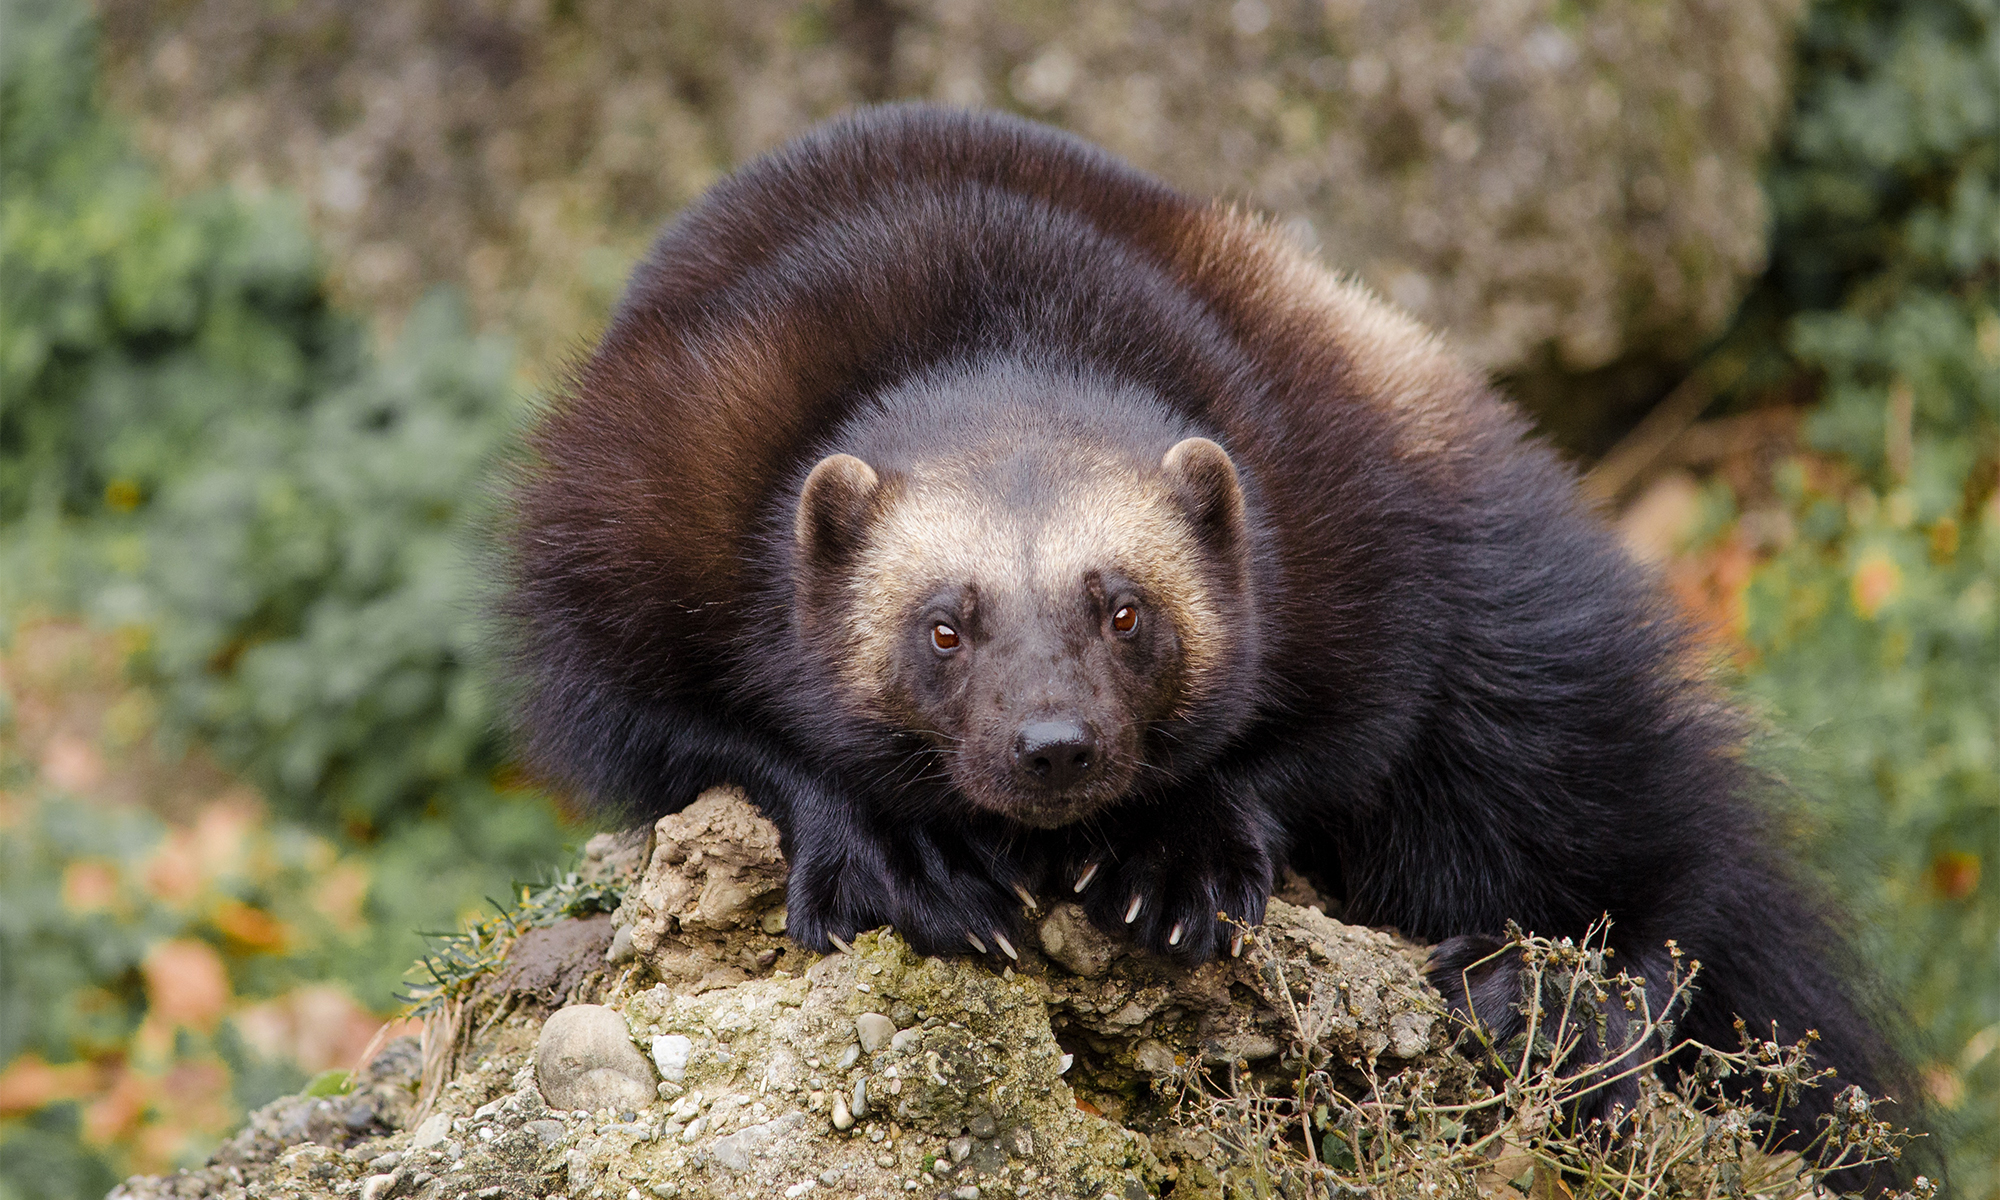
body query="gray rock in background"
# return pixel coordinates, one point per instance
(1563, 188)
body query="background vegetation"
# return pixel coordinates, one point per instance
(248, 748)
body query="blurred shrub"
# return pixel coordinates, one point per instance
(159, 984)
(196, 448)
(160, 977)
(1876, 627)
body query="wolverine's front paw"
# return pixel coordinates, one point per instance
(941, 899)
(1184, 900)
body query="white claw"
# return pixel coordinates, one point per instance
(1174, 938)
(844, 947)
(1132, 910)
(1083, 880)
(1006, 947)
(1026, 898)
(974, 939)
(1236, 946)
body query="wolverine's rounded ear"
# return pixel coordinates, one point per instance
(833, 507)
(1204, 481)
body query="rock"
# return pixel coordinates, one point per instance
(1069, 938)
(1034, 1082)
(435, 1129)
(586, 1060)
(715, 870)
(547, 965)
(1559, 187)
(735, 1151)
(670, 1055)
(377, 1186)
(545, 1131)
(875, 1031)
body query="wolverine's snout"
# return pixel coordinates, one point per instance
(1054, 754)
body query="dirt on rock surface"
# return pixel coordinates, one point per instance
(771, 1071)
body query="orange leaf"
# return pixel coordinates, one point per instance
(28, 1083)
(253, 927)
(186, 983)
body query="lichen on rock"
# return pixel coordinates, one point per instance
(716, 1060)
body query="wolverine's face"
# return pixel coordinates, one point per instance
(1032, 606)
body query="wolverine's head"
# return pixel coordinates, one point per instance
(1033, 573)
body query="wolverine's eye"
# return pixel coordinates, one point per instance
(1126, 619)
(944, 639)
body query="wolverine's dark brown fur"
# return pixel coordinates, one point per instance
(1421, 671)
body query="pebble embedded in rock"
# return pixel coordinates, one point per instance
(843, 1117)
(848, 1057)
(905, 1039)
(376, 1186)
(670, 1054)
(859, 1104)
(547, 1131)
(983, 1126)
(1153, 1058)
(586, 1060)
(435, 1129)
(874, 1030)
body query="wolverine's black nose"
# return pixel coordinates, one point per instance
(1053, 754)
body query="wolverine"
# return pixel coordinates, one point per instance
(1008, 524)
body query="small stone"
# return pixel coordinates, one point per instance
(547, 1131)
(435, 1129)
(843, 1117)
(693, 1132)
(885, 1161)
(385, 1163)
(966, 1193)
(960, 1148)
(773, 922)
(874, 1030)
(670, 1054)
(859, 1103)
(848, 1057)
(905, 1039)
(736, 1151)
(829, 1177)
(585, 1059)
(377, 1186)
(1153, 1058)
(1409, 1034)
(621, 946)
(984, 1126)
(1070, 939)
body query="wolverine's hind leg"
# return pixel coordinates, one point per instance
(1560, 1015)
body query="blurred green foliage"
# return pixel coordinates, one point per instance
(1876, 630)
(197, 451)
(194, 445)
